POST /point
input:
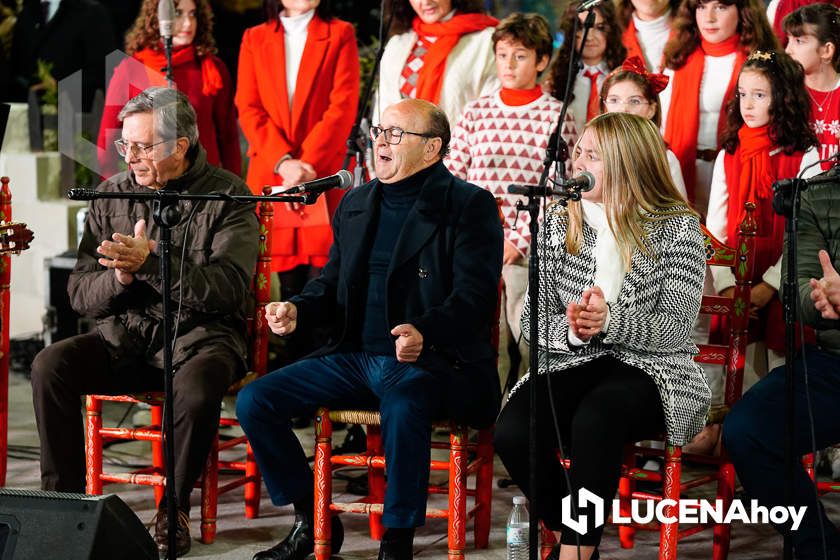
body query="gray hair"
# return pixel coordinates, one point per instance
(174, 117)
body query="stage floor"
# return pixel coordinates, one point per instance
(239, 538)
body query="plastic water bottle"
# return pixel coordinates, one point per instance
(517, 530)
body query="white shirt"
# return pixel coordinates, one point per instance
(652, 36)
(581, 90)
(716, 219)
(53, 8)
(609, 266)
(295, 31)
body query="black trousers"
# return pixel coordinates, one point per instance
(601, 406)
(80, 365)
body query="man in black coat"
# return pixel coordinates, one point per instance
(77, 36)
(409, 294)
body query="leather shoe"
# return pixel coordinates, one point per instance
(182, 533)
(300, 542)
(396, 549)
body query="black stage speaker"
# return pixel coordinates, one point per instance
(37, 525)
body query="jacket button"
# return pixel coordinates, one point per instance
(422, 273)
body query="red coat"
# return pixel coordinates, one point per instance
(314, 129)
(217, 128)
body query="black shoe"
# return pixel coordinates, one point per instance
(400, 548)
(300, 542)
(182, 533)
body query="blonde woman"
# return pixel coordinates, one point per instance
(620, 287)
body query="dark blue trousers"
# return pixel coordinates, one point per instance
(753, 434)
(407, 397)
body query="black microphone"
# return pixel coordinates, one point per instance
(340, 180)
(587, 5)
(581, 183)
(585, 181)
(166, 18)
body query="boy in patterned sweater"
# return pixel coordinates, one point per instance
(501, 139)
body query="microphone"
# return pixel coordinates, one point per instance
(340, 180)
(576, 185)
(582, 183)
(166, 17)
(80, 193)
(587, 5)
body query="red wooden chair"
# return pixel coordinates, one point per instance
(732, 357)
(247, 472)
(459, 465)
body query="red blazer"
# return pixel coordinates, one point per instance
(218, 132)
(314, 129)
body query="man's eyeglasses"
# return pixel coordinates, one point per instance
(632, 102)
(136, 150)
(394, 134)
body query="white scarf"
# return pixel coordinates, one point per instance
(609, 265)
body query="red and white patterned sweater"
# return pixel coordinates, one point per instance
(495, 145)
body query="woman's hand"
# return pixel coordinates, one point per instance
(587, 318)
(295, 172)
(511, 254)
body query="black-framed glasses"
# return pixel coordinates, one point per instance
(394, 134)
(136, 150)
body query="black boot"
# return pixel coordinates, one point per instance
(397, 544)
(300, 542)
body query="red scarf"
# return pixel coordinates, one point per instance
(750, 173)
(211, 78)
(517, 97)
(448, 33)
(631, 42)
(684, 112)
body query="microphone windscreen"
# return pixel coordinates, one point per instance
(166, 17)
(346, 179)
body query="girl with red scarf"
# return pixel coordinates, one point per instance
(648, 26)
(712, 38)
(198, 73)
(442, 52)
(767, 138)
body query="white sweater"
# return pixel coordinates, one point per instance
(470, 73)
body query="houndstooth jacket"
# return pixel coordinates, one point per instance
(650, 323)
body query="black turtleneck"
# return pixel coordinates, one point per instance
(396, 202)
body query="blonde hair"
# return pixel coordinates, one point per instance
(636, 183)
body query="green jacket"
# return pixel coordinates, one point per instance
(818, 228)
(211, 278)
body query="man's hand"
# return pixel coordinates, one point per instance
(295, 172)
(512, 254)
(825, 292)
(126, 254)
(281, 317)
(409, 342)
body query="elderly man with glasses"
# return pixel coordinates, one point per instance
(116, 281)
(409, 295)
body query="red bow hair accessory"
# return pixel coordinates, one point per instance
(635, 64)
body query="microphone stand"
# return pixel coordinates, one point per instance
(167, 49)
(786, 201)
(167, 215)
(555, 157)
(356, 141)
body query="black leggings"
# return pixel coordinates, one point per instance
(601, 406)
